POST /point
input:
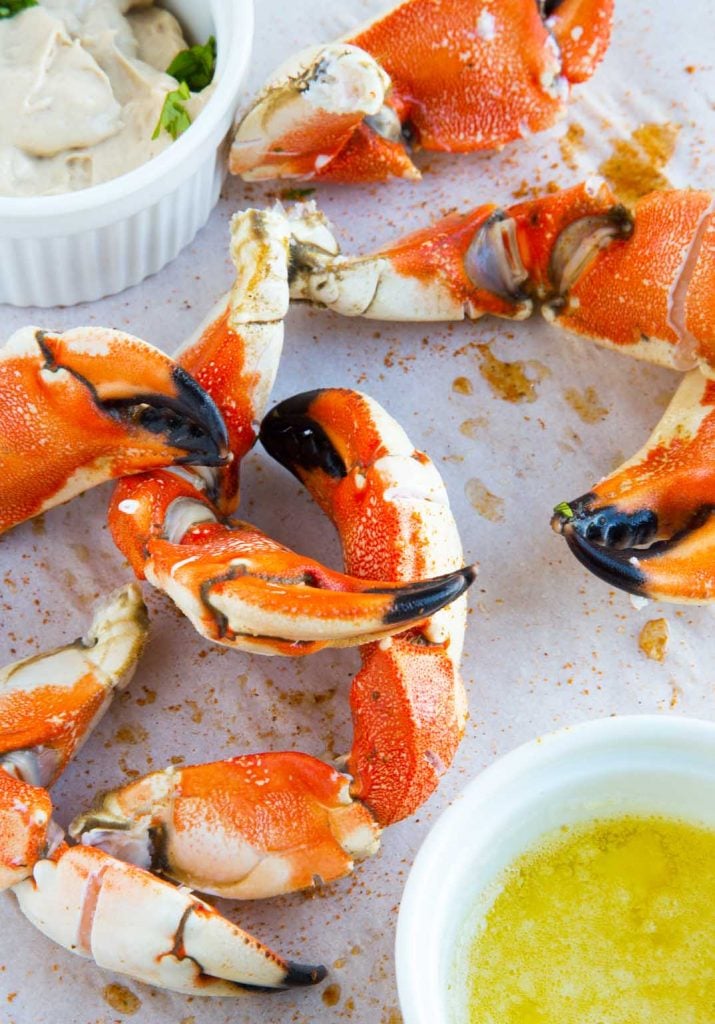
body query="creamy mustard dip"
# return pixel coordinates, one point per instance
(612, 922)
(82, 85)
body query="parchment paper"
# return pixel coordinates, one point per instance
(548, 644)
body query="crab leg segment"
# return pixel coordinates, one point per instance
(490, 260)
(649, 527)
(49, 704)
(459, 76)
(392, 512)
(129, 921)
(235, 354)
(89, 405)
(245, 828)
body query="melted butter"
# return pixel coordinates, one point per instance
(608, 923)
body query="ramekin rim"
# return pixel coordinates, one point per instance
(579, 738)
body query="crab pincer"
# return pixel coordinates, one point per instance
(456, 77)
(649, 528)
(89, 405)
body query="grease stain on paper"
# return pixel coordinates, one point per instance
(586, 404)
(635, 166)
(509, 381)
(490, 506)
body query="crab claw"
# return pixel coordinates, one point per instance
(391, 509)
(96, 404)
(246, 828)
(241, 588)
(486, 261)
(129, 921)
(649, 527)
(457, 77)
(49, 704)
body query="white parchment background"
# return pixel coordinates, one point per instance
(548, 644)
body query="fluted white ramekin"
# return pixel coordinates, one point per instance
(641, 764)
(80, 246)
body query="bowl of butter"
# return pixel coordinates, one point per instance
(572, 881)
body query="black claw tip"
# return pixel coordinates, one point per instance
(607, 525)
(298, 975)
(618, 568)
(201, 431)
(422, 599)
(189, 420)
(296, 441)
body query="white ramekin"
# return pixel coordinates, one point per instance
(640, 764)
(80, 246)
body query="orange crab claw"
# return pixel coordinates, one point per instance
(97, 404)
(245, 828)
(649, 527)
(49, 704)
(582, 28)
(450, 64)
(391, 510)
(487, 261)
(458, 77)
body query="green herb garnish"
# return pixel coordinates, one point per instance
(296, 195)
(174, 117)
(195, 66)
(564, 509)
(10, 7)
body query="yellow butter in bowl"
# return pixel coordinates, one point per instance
(609, 922)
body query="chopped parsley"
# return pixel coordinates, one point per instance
(174, 117)
(193, 69)
(564, 509)
(10, 7)
(195, 66)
